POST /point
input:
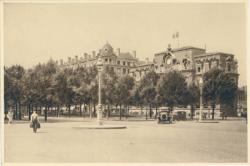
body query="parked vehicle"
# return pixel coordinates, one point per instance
(165, 117)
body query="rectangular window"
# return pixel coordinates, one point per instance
(124, 71)
(198, 69)
(118, 62)
(128, 63)
(124, 63)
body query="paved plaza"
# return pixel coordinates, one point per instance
(141, 141)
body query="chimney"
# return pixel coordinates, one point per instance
(169, 47)
(147, 60)
(99, 51)
(94, 54)
(89, 55)
(61, 62)
(69, 59)
(134, 54)
(76, 57)
(118, 51)
(57, 62)
(85, 55)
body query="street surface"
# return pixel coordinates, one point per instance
(142, 141)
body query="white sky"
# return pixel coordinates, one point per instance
(34, 33)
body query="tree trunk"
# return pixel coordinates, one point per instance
(213, 107)
(94, 110)
(15, 112)
(141, 109)
(192, 112)
(127, 111)
(46, 113)
(19, 112)
(29, 111)
(90, 111)
(108, 112)
(156, 111)
(80, 109)
(150, 110)
(58, 111)
(40, 109)
(69, 113)
(120, 111)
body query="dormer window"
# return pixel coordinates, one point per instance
(174, 61)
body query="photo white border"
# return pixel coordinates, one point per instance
(2, 2)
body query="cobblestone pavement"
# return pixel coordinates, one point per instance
(142, 141)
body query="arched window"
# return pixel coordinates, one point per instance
(199, 69)
(228, 67)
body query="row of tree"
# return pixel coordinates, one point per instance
(48, 86)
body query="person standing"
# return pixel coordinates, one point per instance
(34, 121)
(10, 116)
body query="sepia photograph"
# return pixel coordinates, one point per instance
(124, 82)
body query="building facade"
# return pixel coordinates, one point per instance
(120, 62)
(192, 62)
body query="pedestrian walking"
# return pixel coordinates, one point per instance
(10, 116)
(34, 121)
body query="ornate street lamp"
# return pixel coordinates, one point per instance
(200, 85)
(99, 65)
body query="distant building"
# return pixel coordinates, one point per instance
(120, 62)
(242, 100)
(193, 62)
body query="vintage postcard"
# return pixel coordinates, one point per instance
(124, 82)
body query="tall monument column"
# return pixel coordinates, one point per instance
(99, 65)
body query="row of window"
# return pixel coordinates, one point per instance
(124, 63)
(208, 66)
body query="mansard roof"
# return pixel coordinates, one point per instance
(212, 53)
(126, 55)
(186, 48)
(181, 49)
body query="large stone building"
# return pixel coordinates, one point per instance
(120, 62)
(194, 62)
(191, 61)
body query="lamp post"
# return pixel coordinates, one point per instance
(200, 113)
(99, 65)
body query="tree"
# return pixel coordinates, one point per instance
(109, 79)
(14, 88)
(172, 89)
(123, 91)
(219, 88)
(147, 90)
(193, 97)
(64, 89)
